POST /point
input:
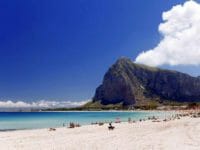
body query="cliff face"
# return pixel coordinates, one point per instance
(131, 83)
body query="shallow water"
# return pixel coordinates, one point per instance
(35, 120)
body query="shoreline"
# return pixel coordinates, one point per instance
(93, 121)
(180, 132)
(126, 136)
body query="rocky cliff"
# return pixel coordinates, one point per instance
(129, 83)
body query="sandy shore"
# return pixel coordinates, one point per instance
(182, 134)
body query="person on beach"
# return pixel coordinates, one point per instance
(129, 120)
(117, 120)
(110, 127)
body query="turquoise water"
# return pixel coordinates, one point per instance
(34, 120)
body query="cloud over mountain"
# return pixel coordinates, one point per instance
(40, 104)
(180, 44)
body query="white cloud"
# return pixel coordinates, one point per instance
(41, 104)
(181, 38)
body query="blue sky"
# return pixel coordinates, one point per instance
(60, 50)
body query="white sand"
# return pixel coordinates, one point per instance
(183, 134)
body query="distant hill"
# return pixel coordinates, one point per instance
(128, 83)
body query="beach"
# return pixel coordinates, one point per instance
(177, 134)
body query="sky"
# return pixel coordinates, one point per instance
(59, 50)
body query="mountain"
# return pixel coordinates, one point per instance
(135, 84)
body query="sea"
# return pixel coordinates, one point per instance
(36, 120)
